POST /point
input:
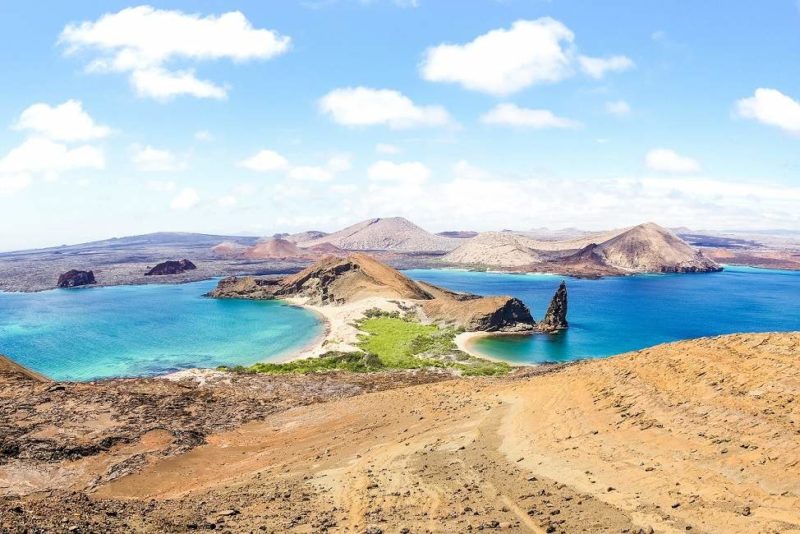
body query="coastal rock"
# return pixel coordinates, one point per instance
(556, 317)
(75, 278)
(245, 287)
(171, 267)
(474, 313)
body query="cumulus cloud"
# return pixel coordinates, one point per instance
(504, 61)
(771, 107)
(363, 106)
(40, 155)
(161, 186)
(619, 108)
(64, 122)
(597, 67)
(270, 161)
(513, 115)
(386, 148)
(411, 173)
(308, 173)
(13, 183)
(187, 198)
(151, 159)
(144, 41)
(666, 160)
(265, 161)
(204, 136)
(163, 85)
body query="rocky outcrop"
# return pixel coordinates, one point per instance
(171, 267)
(333, 281)
(477, 314)
(556, 317)
(76, 278)
(245, 287)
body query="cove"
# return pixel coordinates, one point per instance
(123, 331)
(619, 314)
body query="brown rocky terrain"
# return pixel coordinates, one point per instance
(646, 248)
(337, 281)
(695, 436)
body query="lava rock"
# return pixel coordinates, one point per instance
(556, 317)
(75, 278)
(171, 267)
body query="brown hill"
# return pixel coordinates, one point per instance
(646, 248)
(334, 280)
(649, 248)
(695, 436)
(229, 249)
(277, 249)
(394, 234)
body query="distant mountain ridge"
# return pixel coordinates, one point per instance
(388, 234)
(645, 248)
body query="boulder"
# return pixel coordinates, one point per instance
(171, 267)
(75, 278)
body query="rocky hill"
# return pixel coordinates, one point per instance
(649, 248)
(390, 234)
(646, 248)
(336, 281)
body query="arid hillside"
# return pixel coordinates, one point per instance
(646, 248)
(696, 436)
(391, 234)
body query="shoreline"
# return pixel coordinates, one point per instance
(7, 364)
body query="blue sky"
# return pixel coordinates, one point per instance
(258, 117)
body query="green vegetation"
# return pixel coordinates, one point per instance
(390, 341)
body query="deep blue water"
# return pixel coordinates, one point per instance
(619, 314)
(84, 334)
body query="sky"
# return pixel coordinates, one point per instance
(258, 117)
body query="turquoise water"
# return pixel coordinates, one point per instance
(85, 334)
(619, 314)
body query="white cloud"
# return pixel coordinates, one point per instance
(620, 108)
(362, 106)
(13, 183)
(204, 136)
(161, 186)
(39, 155)
(405, 174)
(143, 41)
(385, 148)
(597, 67)
(227, 201)
(265, 161)
(163, 85)
(151, 159)
(771, 107)
(665, 160)
(64, 122)
(307, 173)
(512, 115)
(504, 61)
(339, 163)
(187, 198)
